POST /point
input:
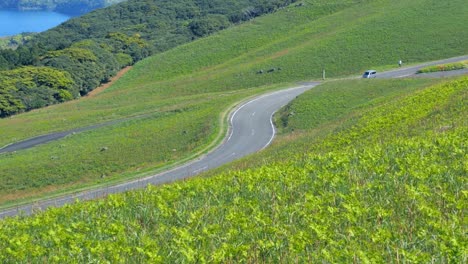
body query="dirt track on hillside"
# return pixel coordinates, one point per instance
(108, 84)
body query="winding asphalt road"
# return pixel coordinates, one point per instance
(251, 129)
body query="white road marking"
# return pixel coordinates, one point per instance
(406, 75)
(201, 169)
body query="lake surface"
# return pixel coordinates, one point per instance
(13, 22)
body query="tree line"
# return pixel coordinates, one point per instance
(88, 50)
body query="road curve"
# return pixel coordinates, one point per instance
(397, 73)
(251, 129)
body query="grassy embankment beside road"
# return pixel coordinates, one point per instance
(383, 181)
(445, 67)
(181, 93)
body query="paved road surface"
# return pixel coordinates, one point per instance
(411, 70)
(398, 73)
(251, 130)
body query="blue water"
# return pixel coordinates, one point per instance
(13, 22)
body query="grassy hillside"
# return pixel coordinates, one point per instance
(91, 48)
(186, 89)
(387, 186)
(339, 99)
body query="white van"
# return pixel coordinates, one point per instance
(369, 74)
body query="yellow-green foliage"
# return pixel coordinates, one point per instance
(16, 86)
(445, 67)
(31, 76)
(13, 41)
(74, 53)
(389, 188)
(339, 99)
(127, 40)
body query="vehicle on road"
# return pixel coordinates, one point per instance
(369, 74)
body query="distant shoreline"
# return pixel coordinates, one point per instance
(33, 9)
(14, 22)
(65, 7)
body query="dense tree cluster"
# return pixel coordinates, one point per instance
(92, 48)
(12, 42)
(30, 87)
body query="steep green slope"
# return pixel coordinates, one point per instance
(389, 187)
(121, 35)
(339, 99)
(196, 82)
(302, 42)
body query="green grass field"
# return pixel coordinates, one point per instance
(340, 98)
(187, 88)
(387, 186)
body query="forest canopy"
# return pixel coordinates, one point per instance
(30, 87)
